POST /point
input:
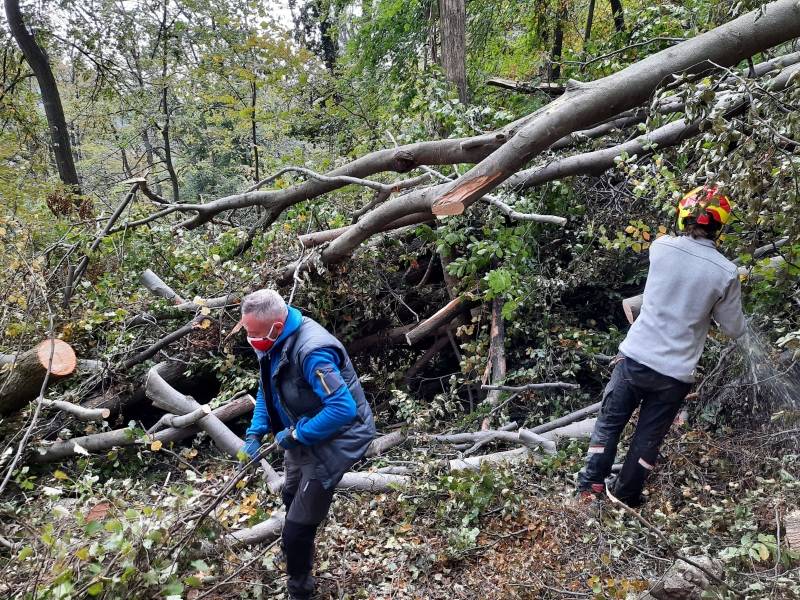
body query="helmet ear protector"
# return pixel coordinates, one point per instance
(704, 205)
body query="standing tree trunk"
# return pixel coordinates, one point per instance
(37, 59)
(589, 21)
(453, 17)
(253, 98)
(558, 41)
(619, 16)
(173, 177)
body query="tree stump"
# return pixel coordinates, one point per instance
(24, 381)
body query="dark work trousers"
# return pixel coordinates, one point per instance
(659, 397)
(307, 503)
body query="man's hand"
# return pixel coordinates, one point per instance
(251, 446)
(286, 440)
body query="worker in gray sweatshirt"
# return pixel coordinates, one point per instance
(689, 283)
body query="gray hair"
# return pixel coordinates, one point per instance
(267, 304)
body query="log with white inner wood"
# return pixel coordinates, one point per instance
(25, 375)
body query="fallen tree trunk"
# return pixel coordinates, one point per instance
(385, 442)
(387, 337)
(582, 105)
(524, 437)
(317, 238)
(558, 385)
(426, 357)
(100, 442)
(196, 323)
(567, 419)
(437, 320)
(156, 285)
(167, 398)
(599, 161)
(582, 429)
(180, 421)
(27, 373)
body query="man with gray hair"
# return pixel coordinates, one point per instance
(310, 398)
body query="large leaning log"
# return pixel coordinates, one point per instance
(27, 373)
(582, 106)
(586, 104)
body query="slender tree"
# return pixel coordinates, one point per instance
(453, 17)
(619, 16)
(40, 65)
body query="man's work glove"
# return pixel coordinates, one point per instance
(251, 445)
(286, 439)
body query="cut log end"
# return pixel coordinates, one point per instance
(64, 359)
(447, 209)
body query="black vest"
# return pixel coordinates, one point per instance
(337, 454)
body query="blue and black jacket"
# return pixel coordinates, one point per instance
(308, 382)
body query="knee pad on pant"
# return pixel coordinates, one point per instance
(298, 546)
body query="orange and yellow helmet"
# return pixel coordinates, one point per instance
(704, 204)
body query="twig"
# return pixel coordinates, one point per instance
(625, 49)
(239, 570)
(532, 386)
(231, 484)
(38, 408)
(375, 185)
(662, 538)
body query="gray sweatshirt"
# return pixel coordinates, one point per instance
(688, 283)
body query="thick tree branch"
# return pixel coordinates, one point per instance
(586, 104)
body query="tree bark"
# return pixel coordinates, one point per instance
(173, 176)
(100, 442)
(253, 132)
(587, 34)
(436, 321)
(554, 70)
(54, 111)
(453, 17)
(385, 442)
(497, 351)
(156, 285)
(24, 381)
(81, 412)
(619, 15)
(167, 398)
(387, 337)
(586, 104)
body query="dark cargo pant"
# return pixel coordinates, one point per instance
(307, 503)
(632, 384)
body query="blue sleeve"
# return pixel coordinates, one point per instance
(260, 423)
(321, 371)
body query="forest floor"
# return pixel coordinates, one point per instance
(514, 532)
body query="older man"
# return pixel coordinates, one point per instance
(311, 399)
